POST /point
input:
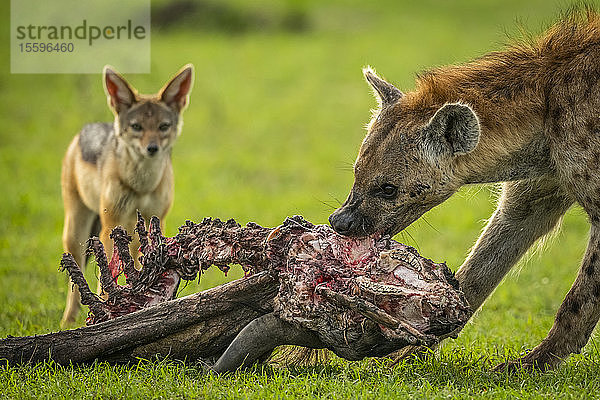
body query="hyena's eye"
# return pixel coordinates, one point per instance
(165, 126)
(136, 127)
(388, 191)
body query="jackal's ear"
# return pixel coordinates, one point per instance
(176, 92)
(385, 92)
(453, 130)
(120, 94)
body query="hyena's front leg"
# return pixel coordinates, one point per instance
(526, 211)
(577, 315)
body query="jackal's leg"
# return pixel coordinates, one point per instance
(79, 221)
(526, 211)
(577, 315)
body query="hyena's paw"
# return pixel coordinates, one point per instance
(536, 360)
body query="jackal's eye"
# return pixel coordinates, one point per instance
(164, 126)
(136, 127)
(388, 191)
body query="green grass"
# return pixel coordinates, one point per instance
(274, 125)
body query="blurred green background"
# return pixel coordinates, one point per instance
(276, 117)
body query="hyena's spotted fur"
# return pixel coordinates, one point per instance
(528, 116)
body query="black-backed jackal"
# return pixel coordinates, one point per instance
(113, 170)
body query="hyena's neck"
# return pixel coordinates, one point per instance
(492, 162)
(512, 145)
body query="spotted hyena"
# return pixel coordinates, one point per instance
(528, 116)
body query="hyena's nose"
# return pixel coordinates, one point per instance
(341, 222)
(152, 148)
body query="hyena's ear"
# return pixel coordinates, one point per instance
(176, 92)
(120, 94)
(385, 92)
(453, 130)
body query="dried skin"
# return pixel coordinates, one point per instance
(165, 262)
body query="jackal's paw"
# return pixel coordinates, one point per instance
(536, 360)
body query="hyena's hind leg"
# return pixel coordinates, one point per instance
(577, 315)
(79, 224)
(527, 210)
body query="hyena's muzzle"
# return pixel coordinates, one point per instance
(348, 220)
